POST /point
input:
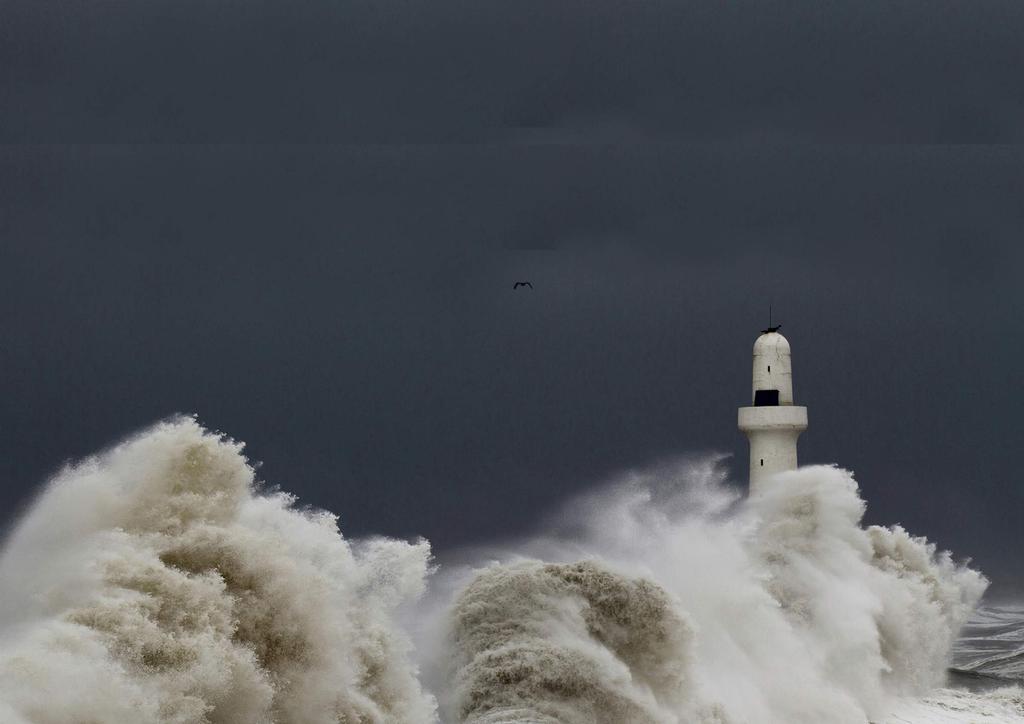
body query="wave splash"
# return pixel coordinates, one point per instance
(569, 643)
(778, 608)
(157, 583)
(152, 584)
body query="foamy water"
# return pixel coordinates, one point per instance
(157, 583)
(793, 612)
(152, 584)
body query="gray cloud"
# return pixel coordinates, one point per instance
(459, 71)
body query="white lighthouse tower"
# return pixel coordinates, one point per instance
(773, 422)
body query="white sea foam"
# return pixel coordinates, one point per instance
(778, 609)
(155, 584)
(152, 584)
(956, 706)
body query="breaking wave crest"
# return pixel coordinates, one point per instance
(158, 584)
(152, 584)
(569, 643)
(782, 608)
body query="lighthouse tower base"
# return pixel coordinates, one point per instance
(772, 432)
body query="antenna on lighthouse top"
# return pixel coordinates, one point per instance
(771, 329)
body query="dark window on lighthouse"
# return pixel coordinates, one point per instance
(762, 462)
(766, 398)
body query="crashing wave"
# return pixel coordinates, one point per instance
(569, 643)
(156, 584)
(153, 584)
(779, 608)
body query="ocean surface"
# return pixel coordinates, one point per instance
(990, 649)
(985, 677)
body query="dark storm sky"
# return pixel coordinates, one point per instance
(302, 221)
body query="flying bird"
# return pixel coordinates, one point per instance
(522, 284)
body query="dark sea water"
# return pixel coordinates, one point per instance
(990, 650)
(986, 680)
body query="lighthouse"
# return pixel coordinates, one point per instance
(772, 423)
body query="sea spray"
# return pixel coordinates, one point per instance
(569, 643)
(154, 584)
(786, 608)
